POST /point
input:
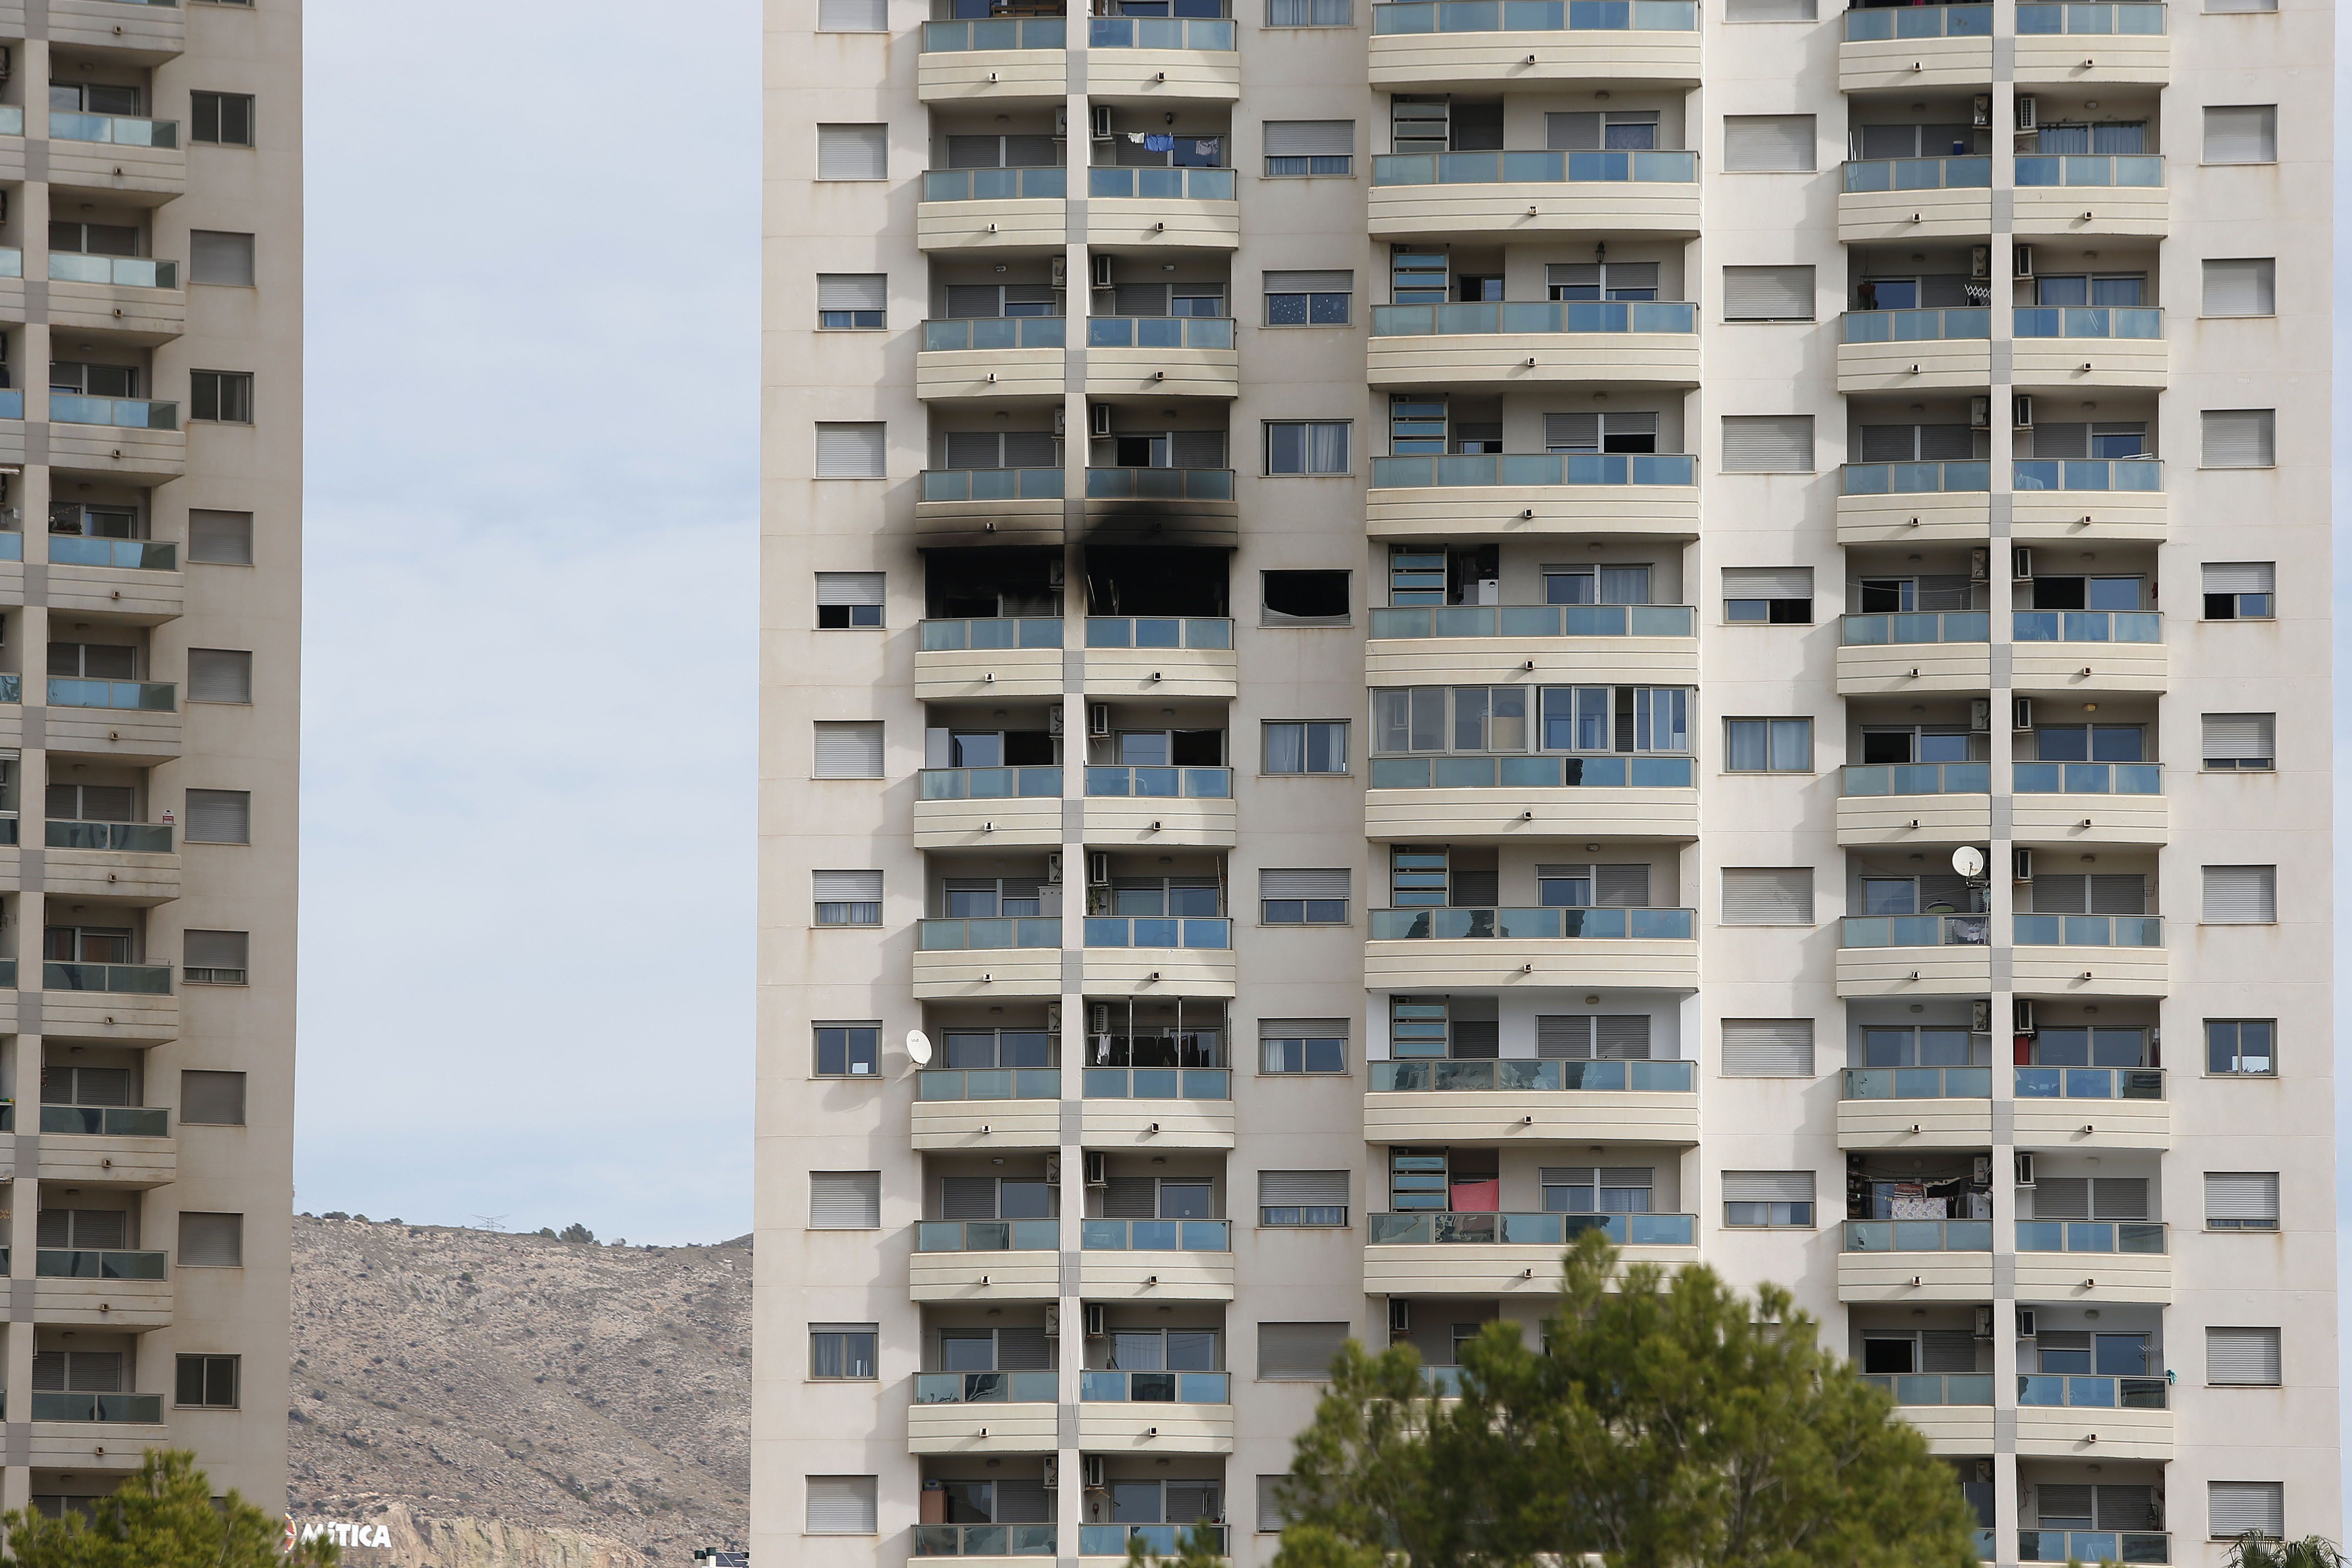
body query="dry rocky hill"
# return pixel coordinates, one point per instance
(508, 1401)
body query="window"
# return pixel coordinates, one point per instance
(1309, 147)
(1270, 1515)
(849, 749)
(1308, 298)
(207, 1382)
(221, 537)
(1628, 431)
(1648, 721)
(1306, 445)
(1589, 1037)
(1768, 595)
(219, 674)
(2241, 590)
(223, 396)
(219, 817)
(216, 255)
(843, 1351)
(2242, 1200)
(2242, 134)
(2233, 1509)
(2241, 438)
(849, 451)
(1768, 10)
(1768, 896)
(841, 1505)
(852, 302)
(1778, 1199)
(2242, 1357)
(1303, 897)
(2240, 895)
(1310, 746)
(2244, 287)
(848, 897)
(848, 1050)
(1768, 746)
(212, 1240)
(213, 957)
(1767, 143)
(849, 601)
(1768, 1047)
(853, 16)
(1302, 1044)
(213, 1099)
(1767, 293)
(221, 119)
(2240, 742)
(1587, 1189)
(1767, 443)
(1302, 1197)
(2244, 1046)
(1315, 598)
(853, 152)
(1309, 14)
(844, 1200)
(1298, 1352)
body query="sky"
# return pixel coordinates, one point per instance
(531, 615)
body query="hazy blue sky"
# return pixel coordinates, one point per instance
(528, 849)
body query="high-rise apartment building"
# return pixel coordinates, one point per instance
(1405, 627)
(150, 253)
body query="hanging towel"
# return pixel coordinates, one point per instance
(1160, 143)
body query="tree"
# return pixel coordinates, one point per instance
(2253, 1550)
(163, 1516)
(578, 1233)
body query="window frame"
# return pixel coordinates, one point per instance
(1348, 6)
(223, 389)
(208, 1361)
(204, 99)
(1774, 1221)
(2237, 1048)
(1768, 720)
(1306, 445)
(1304, 1070)
(1268, 295)
(844, 1331)
(818, 1030)
(1305, 750)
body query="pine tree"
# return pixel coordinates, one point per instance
(163, 1516)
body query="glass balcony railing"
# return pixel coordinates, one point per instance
(1864, 175)
(1915, 930)
(1531, 772)
(2089, 625)
(1519, 1075)
(1546, 924)
(1917, 326)
(121, 271)
(1918, 1236)
(980, 935)
(119, 979)
(1119, 781)
(1199, 932)
(1159, 1083)
(107, 1120)
(989, 1083)
(2090, 1083)
(1919, 1083)
(115, 130)
(1536, 316)
(1448, 1227)
(1445, 1382)
(1158, 1540)
(1884, 24)
(987, 1387)
(119, 413)
(2087, 931)
(996, 332)
(8, 830)
(981, 636)
(7, 973)
(991, 484)
(2091, 21)
(126, 837)
(1154, 1388)
(1934, 1388)
(2100, 170)
(143, 695)
(1161, 33)
(1162, 185)
(988, 1235)
(1982, 1541)
(12, 120)
(1160, 631)
(1534, 168)
(1160, 484)
(139, 1409)
(2128, 1546)
(1914, 626)
(1534, 471)
(1917, 778)
(2140, 475)
(1537, 621)
(12, 548)
(1915, 479)
(2090, 1236)
(58, 1263)
(991, 784)
(985, 1540)
(1536, 16)
(2090, 1393)
(134, 554)
(2088, 321)
(995, 184)
(12, 262)
(1156, 1235)
(2086, 778)
(997, 33)
(1159, 332)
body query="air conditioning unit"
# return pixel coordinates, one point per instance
(1980, 116)
(1061, 420)
(2021, 410)
(1061, 123)
(2020, 713)
(1980, 261)
(1098, 118)
(1979, 565)
(2021, 865)
(1101, 1026)
(1098, 868)
(1059, 271)
(1098, 1320)
(2025, 1169)
(1098, 1169)
(1053, 1323)
(2020, 1011)
(1054, 567)
(1979, 413)
(1053, 1179)
(1980, 1016)
(1980, 714)
(1054, 869)
(1098, 271)
(1399, 1317)
(2025, 1322)
(1053, 1461)
(1980, 1170)
(1055, 719)
(2028, 115)
(1090, 1471)
(2022, 261)
(1098, 419)
(1098, 718)
(2020, 563)
(1052, 1017)
(1984, 1322)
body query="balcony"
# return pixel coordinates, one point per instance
(1536, 341)
(1535, 494)
(2060, 1417)
(118, 576)
(2084, 347)
(1156, 1260)
(2089, 955)
(2087, 1262)
(1148, 60)
(1899, 802)
(1538, 1101)
(1143, 955)
(1161, 657)
(122, 1290)
(2068, 652)
(994, 357)
(1915, 1108)
(985, 1540)
(128, 1145)
(1916, 1260)
(1914, 199)
(983, 1412)
(132, 437)
(1589, 643)
(1018, 956)
(1007, 807)
(2090, 195)
(1155, 1412)
(1884, 503)
(1450, 1253)
(2088, 803)
(1461, 46)
(1526, 195)
(1137, 807)
(117, 154)
(992, 209)
(1914, 955)
(143, 1409)
(2082, 45)
(957, 507)
(1158, 1540)
(2091, 1108)
(129, 861)
(2130, 1546)
(1483, 949)
(994, 59)
(1154, 208)
(1926, 650)
(1179, 1108)
(986, 1260)
(1908, 351)
(1952, 1410)
(1916, 48)
(147, 31)
(1162, 506)
(131, 294)
(1499, 797)
(111, 1001)
(1162, 356)
(988, 1108)
(995, 658)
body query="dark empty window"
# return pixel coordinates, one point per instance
(207, 1380)
(221, 119)
(1312, 599)
(223, 396)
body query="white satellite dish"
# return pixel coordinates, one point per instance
(918, 1048)
(1969, 861)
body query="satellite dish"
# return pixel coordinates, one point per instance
(918, 1048)
(1969, 861)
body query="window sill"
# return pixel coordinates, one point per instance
(2267, 316)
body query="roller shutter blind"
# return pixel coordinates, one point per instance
(853, 152)
(2241, 438)
(968, 1197)
(1767, 443)
(841, 1505)
(1564, 1037)
(1768, 1187)
(1767, 293)
(214, 1099)
(1193, 449)
(1768, 895)
(2242, 577)
(1767, 143)
(2242, 1196)
(1768, 1047)
(1302, 883)
(212, 1240)
(1948, 1351)
(219, 817)
(849, 451)
(2234, 1508)
(853, 16)
(1767, 582)
(1310, 138)
(844, 1200)
(1132, 1197)
(1270, 1518)
(1302, 1028)
(2246, 286)
(1024, 1349)
(2242, 134)
(2057, 1501)
(219, 674)
(849, 588)
(1298, 1352)
(1302, 1189)
(213, 949)
(848, 886)
(852, 291)
(1622, 1038)
(2125, 1507)
(2240, 737)
(849, 751)
(1582, 431)
(2091, 1197)
(2249, 1357)
(1310, 282)
(2240, 895)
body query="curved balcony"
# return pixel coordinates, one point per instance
(1162, 506)
(1883, 351)
(2092, 499)
(1915, 198)
(1450, 1253)
(988, 1108)
(2086, 196)
(1928, 650)
(1143, 955)
(1001, 807)
(2081, 347)
(2091, 1108)
(1539, 1101)
(994, 59)
(1483, 949)
(1530, 495)
(1135, 806)
(1156, 1260)
(1916, 1260)
(1885, 503)
(1162, 356)
(1522, 195)
(986, 1260)
(1530, 342)
(1161, 656)
(2088, 803)
(1146, 60)
(2086, 45)
(1469, 798)
(2089, 955)
(964, 959)
(2088, 1262)
(1915, 1108)
(117, 153)
(1155, 1412)
(994, 357)
(992, 209)
(1930, 802)
(1182, 1108)
(982, 1412)
(2089, 651)
(1916, 47)
(964, 507)
(2131, 1546)
(1914, 955)
(1418, 45)
(990, 1539)
(1179, 208)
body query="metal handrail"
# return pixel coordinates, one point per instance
(1159, 332)
(2088, 321)
(996, 333)
(991, 484)
(1103, 1387)
(1160, 484)
(2088, 626)
(1161, 631)
(1156, 1235)
(1925, 326)
(997, 33)
(2103, 170)
(988, 1235)
(2101, 20)
(987, 1083)
(2142, 476)
(2090, 1391)
(1046, 183)
(1885, 24)
(990, 634)
(1915, 930)
(987, 1387)
(1175, 184)
(1934, 1387)
(1484, 317)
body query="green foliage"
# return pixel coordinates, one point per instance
(163, 1516)
(1198, 1547)
(578, 1233)
(2253, 1551)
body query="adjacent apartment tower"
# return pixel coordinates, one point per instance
(1396, 629)
(150, 623)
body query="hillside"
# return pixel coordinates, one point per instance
(511, 1400)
